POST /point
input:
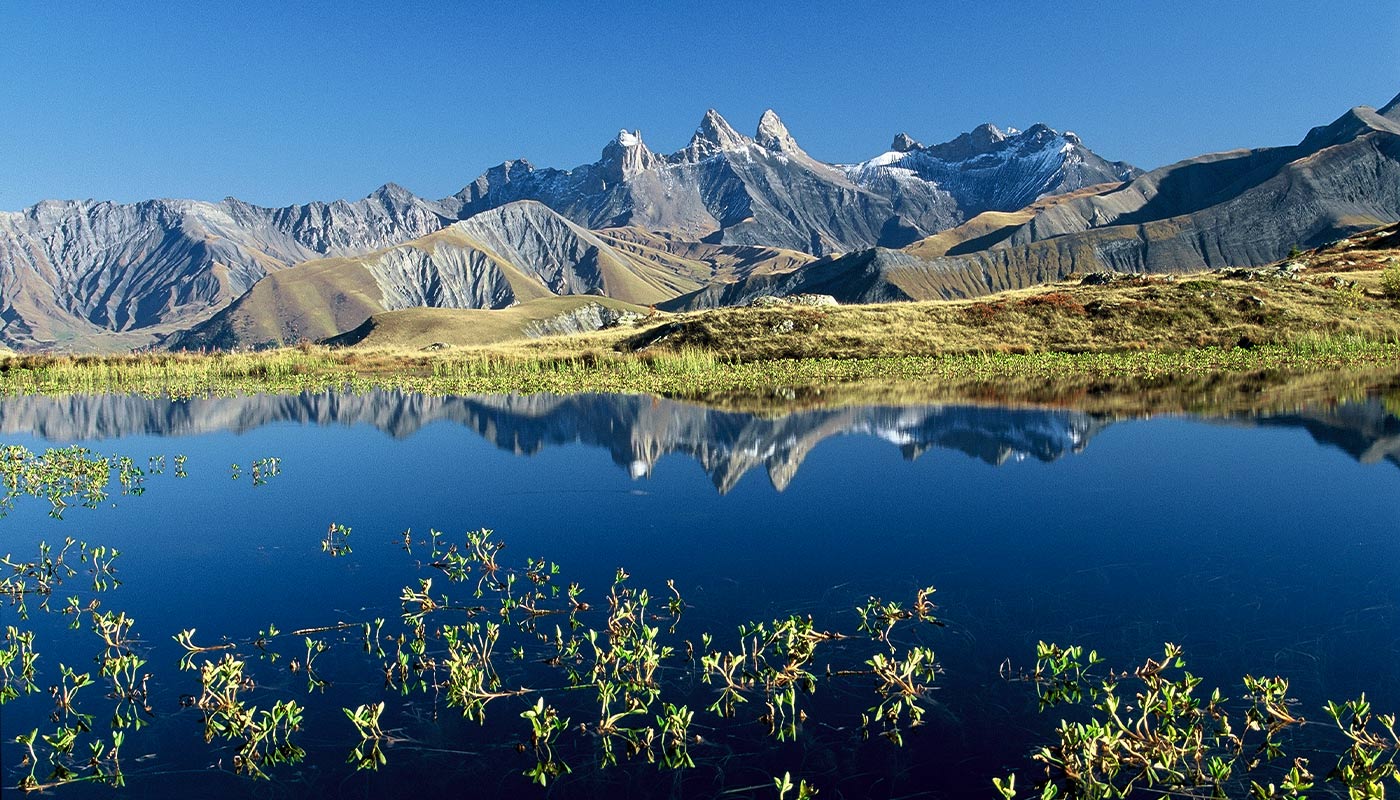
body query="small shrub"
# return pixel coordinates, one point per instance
(1390, 282)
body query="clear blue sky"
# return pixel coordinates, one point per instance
(287, 102)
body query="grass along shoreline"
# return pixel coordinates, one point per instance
(1178, 380)
(1133, 334)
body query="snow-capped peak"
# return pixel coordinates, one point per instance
(629, 139)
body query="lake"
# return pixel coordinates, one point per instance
(1261, 544)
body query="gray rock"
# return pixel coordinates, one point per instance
(591, 317)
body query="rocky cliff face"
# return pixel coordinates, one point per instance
(71, 270)
(766, 190)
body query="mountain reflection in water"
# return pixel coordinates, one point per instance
(639, 430)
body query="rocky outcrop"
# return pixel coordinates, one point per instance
(590, 317)
(74, 270)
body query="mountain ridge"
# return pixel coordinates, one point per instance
(722, 220)
(92, 274)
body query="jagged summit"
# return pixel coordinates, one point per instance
(773, 134)
(391, 192)
(626, 155)
(903, 143)
(713, 135)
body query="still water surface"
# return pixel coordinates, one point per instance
(1261, 544)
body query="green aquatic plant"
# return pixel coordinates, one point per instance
(17, 660)
(65, 694)
(1170, 738)
(545, 727)
(314, 648)
(903, 682)
(265, 469)
(1372, 743)
(56, 474)
(785, 787)
(336, 542)
(878, 618)
(368, 753)
(625, 654)
(262, 738)
(185, 639)
(102, 763)
(674, 725)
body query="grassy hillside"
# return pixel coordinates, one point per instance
(1149, 313)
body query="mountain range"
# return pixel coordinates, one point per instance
(724, 219)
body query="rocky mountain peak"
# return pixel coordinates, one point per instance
(626, 155)
(904, 143)
(987, 135)
(1355, 122)
(982, 139)
(773, 134)
(391, 194)
(713, 135)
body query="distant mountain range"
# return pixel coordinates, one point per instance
(725, 219)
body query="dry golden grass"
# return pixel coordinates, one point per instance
(1153, 314)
